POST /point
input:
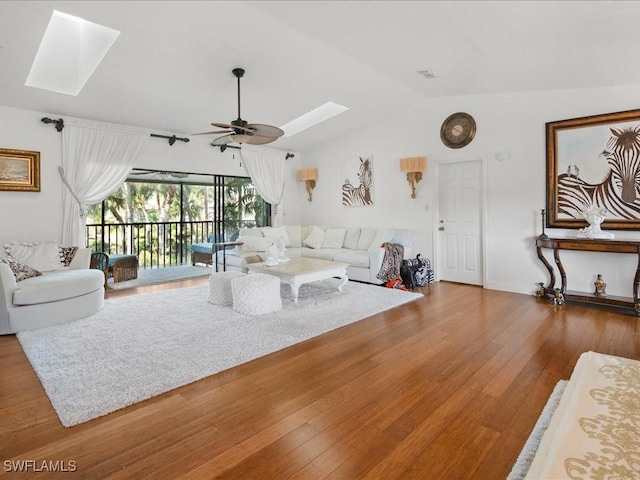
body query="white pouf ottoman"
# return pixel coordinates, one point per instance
(256, 294)
(220, 287)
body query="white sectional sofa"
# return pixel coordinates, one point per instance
(361, 248)
(56, 296)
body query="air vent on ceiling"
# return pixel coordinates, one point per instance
(428, 74)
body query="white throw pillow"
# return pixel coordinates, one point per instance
(253, 243)
(334, 238)
(402, 236)
(43, 257)
(278, 232)
(366, 235)
(351, 238)
(254, 232)
(315, 238)
(381, 237)
(294, 232)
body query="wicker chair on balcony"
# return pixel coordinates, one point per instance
(100, 261)
(123, 267)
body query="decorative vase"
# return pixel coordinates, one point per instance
(600, 286)
(594, 216)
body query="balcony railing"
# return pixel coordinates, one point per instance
(158, 244)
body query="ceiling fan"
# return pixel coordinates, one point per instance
(163, 175)
(240, 131)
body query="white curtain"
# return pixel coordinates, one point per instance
(266, 169)
(96, 159)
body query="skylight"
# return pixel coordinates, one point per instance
(312, 118)
(70, 51)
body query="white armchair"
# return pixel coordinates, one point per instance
(55, 297)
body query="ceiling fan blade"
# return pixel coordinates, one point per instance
(213, 133)
(265, 130)
(231, 126)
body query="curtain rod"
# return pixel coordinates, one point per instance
(59, 124)
(224, 147)
(171, 139)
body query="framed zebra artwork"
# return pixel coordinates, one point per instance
(594, 162)
(359, 191)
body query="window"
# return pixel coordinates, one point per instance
(158, 220)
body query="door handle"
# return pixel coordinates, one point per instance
(441, 229)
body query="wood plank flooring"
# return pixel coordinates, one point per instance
(446, 387)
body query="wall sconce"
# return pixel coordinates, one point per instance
(309, 176)
(413, 167)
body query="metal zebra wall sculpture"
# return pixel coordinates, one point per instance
(619, 192)
(361, 194)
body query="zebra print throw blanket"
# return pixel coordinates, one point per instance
(390, 269)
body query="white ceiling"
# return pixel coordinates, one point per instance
(170, 68)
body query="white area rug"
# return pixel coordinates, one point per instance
(140, 346)
(530, 448)
(153, 276)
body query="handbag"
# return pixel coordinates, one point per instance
(416, 272)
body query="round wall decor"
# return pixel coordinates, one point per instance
(458, 130)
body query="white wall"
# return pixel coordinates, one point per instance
(515, 188)
(37, 217)
(33, 216)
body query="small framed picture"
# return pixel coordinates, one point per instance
(19, 170)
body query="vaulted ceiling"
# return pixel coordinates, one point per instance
(170, 68)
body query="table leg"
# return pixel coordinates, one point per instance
(344, 281)
(294, 291)
(563, 274)
(552, 276)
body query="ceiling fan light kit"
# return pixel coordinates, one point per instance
(240, 131)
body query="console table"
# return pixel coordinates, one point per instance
(560, 294)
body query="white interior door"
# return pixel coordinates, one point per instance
(460, 222)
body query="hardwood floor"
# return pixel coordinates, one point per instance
(446, 387)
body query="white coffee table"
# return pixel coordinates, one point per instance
(303, 270)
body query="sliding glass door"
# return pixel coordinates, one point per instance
(157, 219)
